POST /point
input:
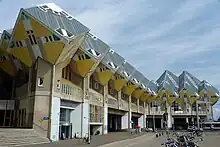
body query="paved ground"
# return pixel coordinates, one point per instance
(124, 139)
(96, 140)
(211, 139)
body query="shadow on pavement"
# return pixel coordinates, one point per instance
(95, 141)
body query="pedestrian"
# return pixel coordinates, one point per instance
(138, 129)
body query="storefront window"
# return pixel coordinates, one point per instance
(65, 114)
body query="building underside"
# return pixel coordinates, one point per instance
(63, 81)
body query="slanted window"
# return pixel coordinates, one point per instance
(70, 17)
(96, 85)
(102, 69)
(64, 32)
(111, 51)
(55, 38)
(93, 52)
(126, 74)
(45, 6)
(135, 80)
(143, 85)
(40, 82)
(31, 37)
(18, 44)
(2, 58)
(58, 13)
(111, 64)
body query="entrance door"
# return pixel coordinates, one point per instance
(65, 131)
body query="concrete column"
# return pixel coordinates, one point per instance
(119, 99)
(105, 108)
(138, 105)
(85, 108)
(161, 123)
(169, 119)
(187, 122)
(145, 116)
(129, 113)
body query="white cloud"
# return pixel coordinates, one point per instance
(151, 34)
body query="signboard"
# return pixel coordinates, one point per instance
(45, 118)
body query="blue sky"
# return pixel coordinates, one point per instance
(153, 35)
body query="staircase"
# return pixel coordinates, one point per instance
(20, 137)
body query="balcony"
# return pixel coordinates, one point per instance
(112, 102)
(123, 105)
(70, 91)
(181, 112)
(156, 111)
(95, 97)
(141, 109)
(134, 107)
(200, 112)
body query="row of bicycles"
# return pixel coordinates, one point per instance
(182, 139)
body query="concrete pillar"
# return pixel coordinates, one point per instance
(105, 108)
(145, 116)
(169, 119)
(85, 108)
(119, 99)
(161, 123)
(187, 122)
(138, 101)
(129, 113)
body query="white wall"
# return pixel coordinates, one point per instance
(80, 119)
(105, 125)
(141, 121)
(126, 121)
(55, 119)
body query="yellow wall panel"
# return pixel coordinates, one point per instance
(192, 100)
(4, 44)
(22, 54)
(53, 50)
(7, 67)
(84, 66)
(129, 89)
(19, 33)
(213, 101)
(150, 99)
(170, 100)
(104, 77)
(137, 93)
(180, 100)
(39, 30)
(159, 100)
(118, 84)
(144, 96)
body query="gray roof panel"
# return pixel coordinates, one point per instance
(141, 79)
(189, 82)
(54, 20)
(204, 85)
(153, 86)
(113, 60)
(126, 70)
(168, 81)
(94, 47)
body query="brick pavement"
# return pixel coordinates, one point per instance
(96, 140)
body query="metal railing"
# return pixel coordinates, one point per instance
(70, 91)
